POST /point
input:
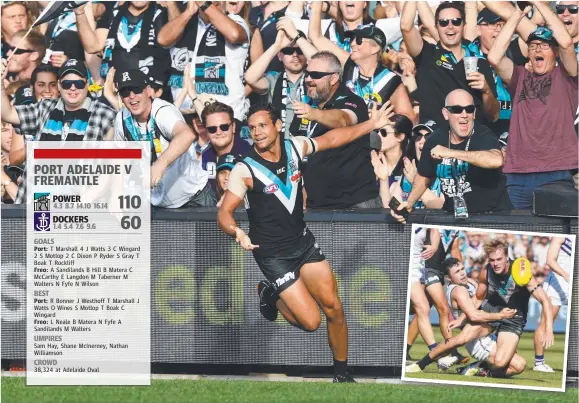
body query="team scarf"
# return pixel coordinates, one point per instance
(132, 132)
(370, 91)
(281, 99)
(66, 126)
(120, 34)
(210, 64)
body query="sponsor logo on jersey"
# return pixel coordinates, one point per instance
(296, 177)
(271, 188)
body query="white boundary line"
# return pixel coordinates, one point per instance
(491, 385)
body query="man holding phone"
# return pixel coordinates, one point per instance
(466, 158)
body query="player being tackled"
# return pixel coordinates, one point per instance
(496, 293)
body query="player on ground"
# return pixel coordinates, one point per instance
(269, 179)
(496, 291)
(556, 285)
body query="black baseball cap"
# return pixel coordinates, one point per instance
(370, 32)
(130, 78)
(156, 77)
(487, 16)
(430, 126)
(226, 161)
(542, 34)
(73, 66)
(24, 96)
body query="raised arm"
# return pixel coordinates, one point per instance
(287, 25)
(93, 40)
(338, 137)
(255, 74)
(411, 35)
(318, 39)
(231, 30)
(471, 14)
(552, 253)
(565, 42)
(427, 17)
(497, 54)
(505, 10)
(172, 31)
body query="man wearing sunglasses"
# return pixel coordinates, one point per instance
(289, 85)
(73, 116)
(568, 14)
(218, 120)
(176, 175)
(440, 68)
(27, 57)
(543, 143)
(467, 159)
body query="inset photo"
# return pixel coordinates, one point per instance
(488, 307)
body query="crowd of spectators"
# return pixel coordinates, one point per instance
(484, 94)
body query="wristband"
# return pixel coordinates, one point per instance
(205, 6)
(298, 36)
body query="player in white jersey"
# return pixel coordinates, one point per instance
(556, 285)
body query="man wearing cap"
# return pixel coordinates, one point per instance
(225, 164)
(440, 68)
(176, 174)
(363, 72)
(542, 140)
(73, 116)
(488, 27)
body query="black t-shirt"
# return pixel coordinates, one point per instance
(121, 58)
(342, 177)
(437, 75)
(380, 87)
(484, 189)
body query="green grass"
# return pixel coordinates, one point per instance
(553, 356)
(177, 391)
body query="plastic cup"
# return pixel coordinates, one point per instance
(470, 65)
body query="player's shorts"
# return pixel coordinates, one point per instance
(480, 349)
(284, 270)
(557, 289)
(516, 324)
(433, 276)
(417, 275)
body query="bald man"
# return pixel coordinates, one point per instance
(466, 157)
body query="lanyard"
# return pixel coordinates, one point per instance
(454, 169)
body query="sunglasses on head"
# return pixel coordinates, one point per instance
(213, 129)
(457, 109)
(78, 84)
(561, 8)
(21, 51)
(316, 75)
(290, 51)
(457, 22)
(126, 92)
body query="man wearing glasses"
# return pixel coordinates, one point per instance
(176, 175)
(467, 159)
(73, 116)
(440, 68)
(293, 50)
(218, 119)
(542, 140)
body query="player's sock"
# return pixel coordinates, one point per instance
(539, 360)
(340, 367)
(408, 347)
(425, 361)
(432, 346)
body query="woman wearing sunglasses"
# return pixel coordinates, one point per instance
(432, 197)
(363, 72)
